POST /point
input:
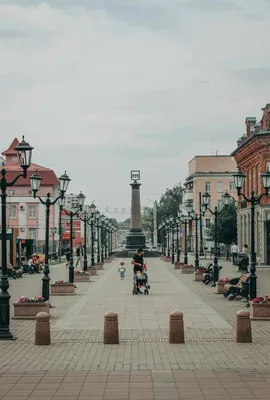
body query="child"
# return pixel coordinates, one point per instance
(122, 270)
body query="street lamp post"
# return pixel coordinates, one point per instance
(184, 219)
(85, 218)
(92, 222)
(253, 200)
(98, 236)
(72, 214)
(177, 223)
(168, 228)
(24, 155)
(194, 217)
(172, 226)
(35, 185)
(201, 227)
(61, 203)
(206, 202)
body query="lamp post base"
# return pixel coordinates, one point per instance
(5, 333)
(71, 273)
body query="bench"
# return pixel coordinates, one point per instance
(237, 287)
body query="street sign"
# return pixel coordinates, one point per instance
(135, 175)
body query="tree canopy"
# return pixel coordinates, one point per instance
(226, 225)
(170, 201)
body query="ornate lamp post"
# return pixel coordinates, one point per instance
(164, 238)
(177, 225)
(168, 228)
(35, 185)
(85, 218)
(24, 155)
(61, 204)
(184, 219)
(92, 221)
(97, 221)
(253, 200)
(72, 214)
(194, 217)
(172, 227)
(206, 202)
(101, 226)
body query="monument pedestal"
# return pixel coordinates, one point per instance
(135, 238)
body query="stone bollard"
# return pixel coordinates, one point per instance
(43, 332)
(176, 330)
(111, 333)
(243, 327)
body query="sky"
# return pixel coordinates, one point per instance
(101, 87)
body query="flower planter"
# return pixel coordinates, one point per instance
(220, 288)
(198, 276)
(92, 271)
(99, 266)
(260, 311)
(187, 269)
(62, 289)
(81, 277)
(29, 310)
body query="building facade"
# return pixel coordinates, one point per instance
(252, 156)
(24, 213)
(212, 174)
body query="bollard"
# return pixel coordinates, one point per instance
(111, 333)
(43, 332)
(243, 327)
(176, 330)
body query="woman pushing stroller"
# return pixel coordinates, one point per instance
(139, 271)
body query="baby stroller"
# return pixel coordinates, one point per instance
(140, 281)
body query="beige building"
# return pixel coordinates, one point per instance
(212, 174)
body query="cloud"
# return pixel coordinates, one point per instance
(101, 87)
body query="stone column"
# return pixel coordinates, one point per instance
(135, 237)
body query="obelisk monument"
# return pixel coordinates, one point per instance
(135, 237)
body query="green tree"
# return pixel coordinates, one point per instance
(226, 225)
(170, 201)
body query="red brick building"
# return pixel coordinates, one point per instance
(253, 158)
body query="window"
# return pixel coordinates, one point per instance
(12, 211)
(207, 222)
(32, 212)
(207, 187)
(32, 233)
(220, 187)
(11, 192)
(232, 187)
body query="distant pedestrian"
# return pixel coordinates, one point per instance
(245, 249)
(67, 253)
(122, 270)
(234, 253)
(79, 254)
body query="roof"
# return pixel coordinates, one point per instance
(11, 150)
(249, 139)
(48, 175)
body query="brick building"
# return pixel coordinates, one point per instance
(252, 156)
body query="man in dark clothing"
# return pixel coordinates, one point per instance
(137, 261)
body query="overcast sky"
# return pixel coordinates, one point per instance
(100, 87)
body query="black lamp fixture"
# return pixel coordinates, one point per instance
(24, 156)
(35, 180)
(226, 198)
(73, 213)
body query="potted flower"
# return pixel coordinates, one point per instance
(220, 286)
(62, 288)
(29, 307)
(260, 308)
(187, 269)
(81, 276)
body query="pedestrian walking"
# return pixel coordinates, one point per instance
(122, 270)
(79, 254)
(234, 253)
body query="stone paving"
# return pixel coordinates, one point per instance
(210, 365)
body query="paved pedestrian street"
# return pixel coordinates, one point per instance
(77, 365)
